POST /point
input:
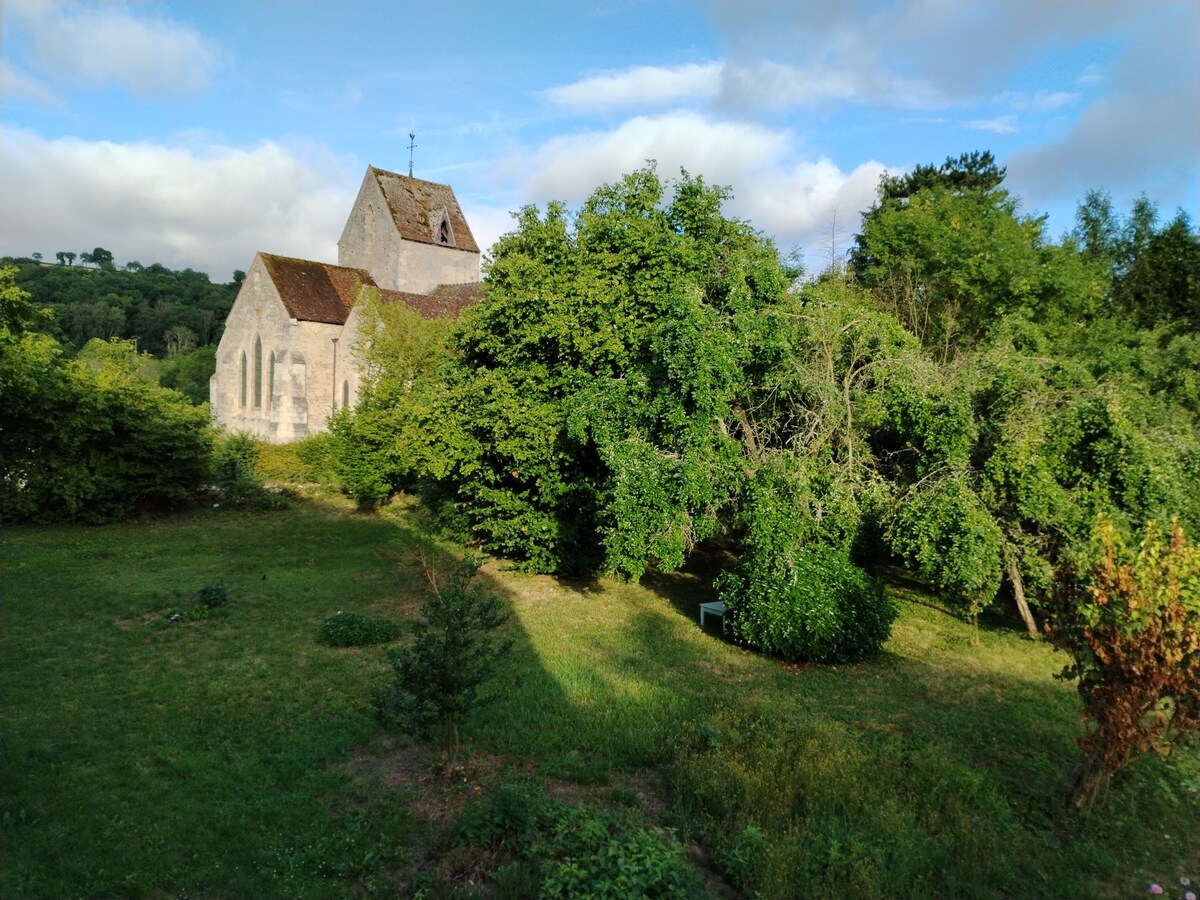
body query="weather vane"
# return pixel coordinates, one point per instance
(412, 145)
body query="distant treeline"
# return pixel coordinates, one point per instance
(168, 313)
(175, 316)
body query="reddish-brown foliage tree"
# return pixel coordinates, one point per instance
(1132, 624)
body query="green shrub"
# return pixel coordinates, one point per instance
(208, 602)
(808, 603)
(744, 857)
(349, 629)
(591, 853)
(795, 592)
(213, 595)
(92, 440)
(365, 462)
(280, 463)
(509, 817)
(567, 851)
(310, 461)
(235, 473)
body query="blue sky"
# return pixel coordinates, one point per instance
(197, 133)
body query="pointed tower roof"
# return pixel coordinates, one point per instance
(425, 211)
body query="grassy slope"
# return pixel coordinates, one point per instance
(146, 758)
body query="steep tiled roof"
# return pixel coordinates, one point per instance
(447, 300)
(313, 291)
(415, 203)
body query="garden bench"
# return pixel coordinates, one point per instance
(715, 608)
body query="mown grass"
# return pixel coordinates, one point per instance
(235, 756)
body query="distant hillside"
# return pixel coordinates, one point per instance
(168, 313)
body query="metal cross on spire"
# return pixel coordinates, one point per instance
(412, 145)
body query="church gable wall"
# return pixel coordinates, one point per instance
(371, 240)
(367, 226)
(274, 374)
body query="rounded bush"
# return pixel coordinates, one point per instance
(811, 603)
(349, 629)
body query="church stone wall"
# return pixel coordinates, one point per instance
(371, 241)
(297, 372)
(296, 380)
(367, 226)
(425, 266)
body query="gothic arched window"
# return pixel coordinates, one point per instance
(258, 373)
(443, 233)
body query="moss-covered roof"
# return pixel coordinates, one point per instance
(446, 300)
(313, 291)
(417, 208)
(321, 292)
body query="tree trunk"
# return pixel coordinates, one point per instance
(747, 428)
(450, 744)
(1018, 586)
(849, 419)
(1088, 782)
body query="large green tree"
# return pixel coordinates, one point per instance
(600, 385)
(397, 433)
(950, 254)
(1152, 269)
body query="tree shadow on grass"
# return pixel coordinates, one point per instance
(607, 680)
(984, 721)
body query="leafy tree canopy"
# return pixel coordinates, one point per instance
(89, 438)
(396, 432)
(598, 384)
(163, 310)
(950, 264)
(1152, 270)
(974, 172)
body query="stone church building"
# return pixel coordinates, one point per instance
(288, 356)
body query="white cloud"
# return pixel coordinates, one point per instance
(571, 166)
(101, 43)
(208, 208)
(760, 84)
(1043, 101)
(998, 125)
(813, 205)
(796, 201)
(639, 87)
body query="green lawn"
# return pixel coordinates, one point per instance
(234, 756)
